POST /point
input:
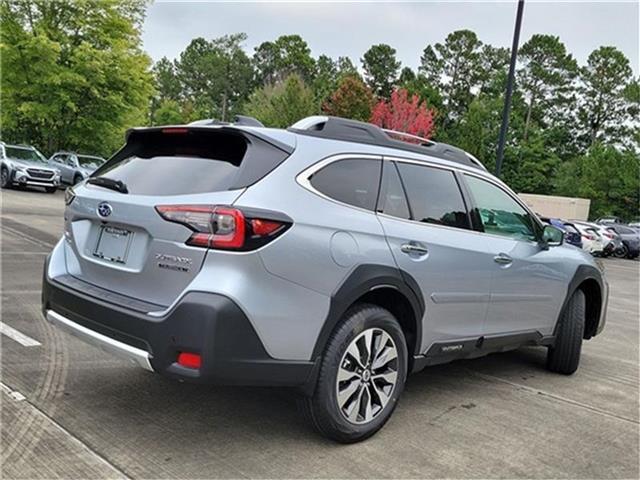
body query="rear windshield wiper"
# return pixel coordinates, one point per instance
(117, 185)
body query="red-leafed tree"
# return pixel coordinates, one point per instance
(404, 113)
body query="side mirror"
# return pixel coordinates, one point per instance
(552, 236)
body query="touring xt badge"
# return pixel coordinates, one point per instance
(172, 262)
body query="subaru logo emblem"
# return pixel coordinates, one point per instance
(104, 209)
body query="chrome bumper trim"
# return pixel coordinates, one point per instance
(122, 350)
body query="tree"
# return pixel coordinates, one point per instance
(425, 90)
(493, 70)
(603, 107)
(74, 73)
(406, 75)
(168, 112)
(215, 75)
(455, 67)
(606, 175)
(287, 55)
(381, 69)
(546, 79)
(352, 99)
(346, 67)
(166, 78)
(404, 114)
(282, 104)
(325, 78)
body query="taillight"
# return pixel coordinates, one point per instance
(588, 237)
(226, 228)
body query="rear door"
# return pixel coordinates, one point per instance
(119, 241)
(431, 239)
(528, 283)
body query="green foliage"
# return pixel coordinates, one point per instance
(546, 80)
(74, 75)
(606, 175)
(169, 113)
(381, 69)
(603, 106)
(287, 55)
(215, 76)
(282, 104)
(352, 99)
(454, 66)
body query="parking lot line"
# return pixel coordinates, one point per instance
(19, 337)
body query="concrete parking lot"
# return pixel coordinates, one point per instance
(72, 411)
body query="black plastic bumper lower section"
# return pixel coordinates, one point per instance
(205, 323)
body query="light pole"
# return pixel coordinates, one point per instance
(507, 98)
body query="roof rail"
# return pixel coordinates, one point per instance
(419, 140)
(337, 128)
(241, 120)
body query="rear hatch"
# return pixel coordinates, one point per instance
(122, 243)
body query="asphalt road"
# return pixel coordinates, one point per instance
(70, 410)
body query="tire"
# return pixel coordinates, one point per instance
(564, 356)
(4, 178)
(51, 189)
(360, 323)
(77, 179)
(621, 252)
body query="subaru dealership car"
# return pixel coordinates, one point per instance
(74, 167)
(25, 166)
(331, 256)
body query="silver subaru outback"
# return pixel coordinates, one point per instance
(333, 256)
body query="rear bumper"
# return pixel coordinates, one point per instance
(208, 324)
(119, 349)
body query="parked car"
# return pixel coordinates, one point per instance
(607, 220)
(328, 256)
(592, 240)
(75, 167)
(571, 234)
(630, 240)
(25, 166)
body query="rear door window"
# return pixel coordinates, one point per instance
(434, 195)
(352, 181)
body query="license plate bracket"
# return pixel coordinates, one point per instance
(113, 244)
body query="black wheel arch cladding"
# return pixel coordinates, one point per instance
(593, 322)
(363, 279)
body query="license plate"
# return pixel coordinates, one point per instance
(113, 244)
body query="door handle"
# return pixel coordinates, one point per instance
(503, 259)
(410, 248)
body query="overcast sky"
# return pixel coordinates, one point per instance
(349, 29)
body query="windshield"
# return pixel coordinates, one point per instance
(92, 162)
(570, 228)
(28, 154)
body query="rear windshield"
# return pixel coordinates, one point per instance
(184, 161)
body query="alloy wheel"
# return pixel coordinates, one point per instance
(367, 376)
